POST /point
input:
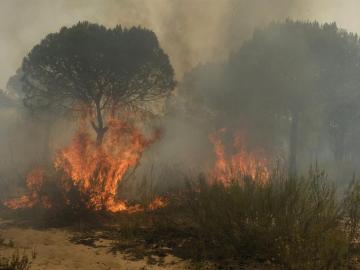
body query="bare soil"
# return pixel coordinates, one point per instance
(56, 250)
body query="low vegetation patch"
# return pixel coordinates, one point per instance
(15, 262)
(299, 223)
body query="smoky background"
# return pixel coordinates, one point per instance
(193, 33)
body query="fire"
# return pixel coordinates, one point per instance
(34, 182)
(243, 162)
(157, 203)
(95, 170)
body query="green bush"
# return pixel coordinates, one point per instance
(296, 223)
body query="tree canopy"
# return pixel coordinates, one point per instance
(294, 71)
(97, 68)
(290, 79)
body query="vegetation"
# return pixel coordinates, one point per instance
(292, 81)
(285, 223)
(296, 223)
(90, 68)
(15, 262)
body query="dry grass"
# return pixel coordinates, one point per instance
(16, 262)
(296, 224)
(286, 223)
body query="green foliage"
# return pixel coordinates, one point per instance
(89, 63)
(296, 223)
(89, 68)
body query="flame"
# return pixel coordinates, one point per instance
(34, 182)
(97, 170)
(243, 162)
(158, 203)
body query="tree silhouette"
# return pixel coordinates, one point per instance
(285, 70)
(291, 79)
(89, 67)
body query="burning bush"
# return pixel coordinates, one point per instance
(34, 183)
(87, 175)
(238, 163)
(98, 169)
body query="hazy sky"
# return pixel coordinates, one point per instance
(191, 31)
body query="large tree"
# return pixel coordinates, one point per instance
(97, 69)
(288, 69)
(340, 85)
(292, 81)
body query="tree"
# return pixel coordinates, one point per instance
(288, 71)
(89, 67)
(339, 86)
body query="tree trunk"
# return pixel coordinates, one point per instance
(99, 127)
(293, 141)
(100, 136)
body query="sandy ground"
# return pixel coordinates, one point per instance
(55, 252)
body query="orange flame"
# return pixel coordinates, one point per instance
(34, 182)
(98, 170)
(95, 170)
(243, 162)
(157, 203)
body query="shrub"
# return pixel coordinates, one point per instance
(15, 262)
(296, 223)
(352, 210)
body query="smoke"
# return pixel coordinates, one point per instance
(191, 32)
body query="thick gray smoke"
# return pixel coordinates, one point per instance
(191, 32)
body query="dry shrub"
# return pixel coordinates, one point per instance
(295, 223)
(16, 262)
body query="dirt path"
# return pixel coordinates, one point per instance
(56, 252)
